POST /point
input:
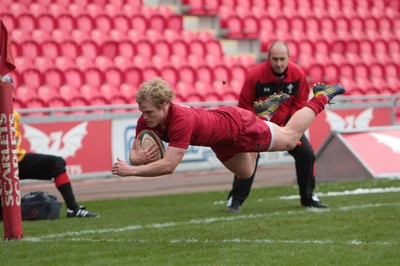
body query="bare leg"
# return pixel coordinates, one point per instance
(286, 138)
(242, 164)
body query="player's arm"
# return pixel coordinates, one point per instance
(138, 156)
(167, 165)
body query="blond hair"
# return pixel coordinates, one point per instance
(155, 90)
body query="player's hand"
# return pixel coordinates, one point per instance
(147, 155)
(121, 168)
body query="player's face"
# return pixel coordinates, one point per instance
(279, 60)
(151, 114)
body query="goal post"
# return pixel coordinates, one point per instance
(10, 191)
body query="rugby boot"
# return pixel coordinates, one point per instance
(269, 106)
(328, 90)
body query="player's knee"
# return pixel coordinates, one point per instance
(291, 143)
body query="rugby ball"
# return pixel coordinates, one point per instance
(147, 137)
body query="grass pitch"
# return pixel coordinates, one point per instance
(361, 227)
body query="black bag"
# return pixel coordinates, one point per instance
(40, 206)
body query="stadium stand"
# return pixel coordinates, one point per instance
(138, 41)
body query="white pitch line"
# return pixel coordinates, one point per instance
(224, 241)
(77, 234)
(358, 191)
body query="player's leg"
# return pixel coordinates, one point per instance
(47, 167)
(286, 138)
(242, 164)
(240, 190)
(304, 158)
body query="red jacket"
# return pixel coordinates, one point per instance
(262, 82)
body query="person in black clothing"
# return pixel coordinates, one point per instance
(276, 75)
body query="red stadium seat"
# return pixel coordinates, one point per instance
(175, 23)
(180, 49)
(122, 23)
(54, 78)
(187, 75)
(251, 26)
(328, 27)
(89, 49)
(73, 77)
(195, 7)
(68, 92)
(32, 78)
(113, 76)
(108, 91)
(128, 91)
(140, 23)
(80, 36)
(47, 22)
(122, 62)
(50, 49)
(133, 76)
(297, 29)
(315, 73)
(331, 74)
(43, 63)
(35, 103)
(109, 49)
(66, 23)
(103, 23)
(145, 49)
(93, 76)
(30, 50)
(391, 70)
(89, 91)
(163, 49)
(126, 48)
(322, 51)
(27, 22)
(79, 101)
(197, 49)
(235, 26)
(22, 63)
(194, 97)
(205, 75)
(150, 73)
(84, 22)
(24, 93)
(46, 93)
(63, 62)
(313, 27)
(70, 49)
(58, 102)
(170, 74)
(157, 22)
(238, 73)
(221, 73)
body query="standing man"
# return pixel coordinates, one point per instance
(279, 74)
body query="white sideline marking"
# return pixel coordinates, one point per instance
(357, 191)
(77, 234)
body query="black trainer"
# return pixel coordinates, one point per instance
(233, 205)
(81, 212)
(314, 202)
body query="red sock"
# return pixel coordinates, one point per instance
(61, 179)
(317, 103)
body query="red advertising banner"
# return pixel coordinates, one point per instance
(85, 145)
(343, 119)
(380, 150)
